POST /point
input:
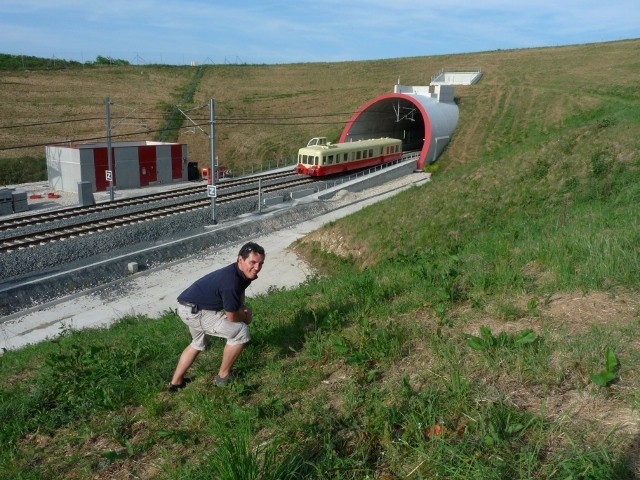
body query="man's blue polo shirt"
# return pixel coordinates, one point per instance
(221, 289)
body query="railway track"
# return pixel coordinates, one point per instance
(39, 229)
(116, 219)
(71, 212)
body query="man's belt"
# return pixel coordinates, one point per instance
(195, 308)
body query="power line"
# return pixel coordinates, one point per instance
(39, 124)
(220, 118)
(80, 140)
(89, 119)
(103, 138)
(273, 121)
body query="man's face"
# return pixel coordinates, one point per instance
(252, 265)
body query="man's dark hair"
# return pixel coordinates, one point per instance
(249, 247)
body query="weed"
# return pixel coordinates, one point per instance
(487, 342)
(610, 372)
(499, 423)
(601, 164)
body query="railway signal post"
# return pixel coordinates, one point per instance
(212, 145)
(107, 104)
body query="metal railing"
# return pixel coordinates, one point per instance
(262, 167)
(406, 157)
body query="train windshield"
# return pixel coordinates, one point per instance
(317, 141)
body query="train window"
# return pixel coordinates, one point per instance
(330, 159)
(346, 157)
(315, 161)
(371, 152)
(358, 155)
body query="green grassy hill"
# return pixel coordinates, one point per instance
(481, 326)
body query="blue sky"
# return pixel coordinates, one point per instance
(277, 31)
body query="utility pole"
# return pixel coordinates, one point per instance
(107, 103)
(212, 148)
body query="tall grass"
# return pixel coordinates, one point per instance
(334, 386)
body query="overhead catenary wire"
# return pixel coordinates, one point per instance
(144, 118)
(40, 124)
(261, 120)
(139, 132)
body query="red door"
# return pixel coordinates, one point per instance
(176, 162)
(101, 165)
(147, 165)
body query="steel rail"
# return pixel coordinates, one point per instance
(28, 240)
(70, 212)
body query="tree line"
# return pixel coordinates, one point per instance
(16, 62)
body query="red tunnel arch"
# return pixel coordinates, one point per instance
(419, 118)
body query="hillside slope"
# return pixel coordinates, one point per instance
(534, 133)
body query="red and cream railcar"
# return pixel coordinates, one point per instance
(321, 158)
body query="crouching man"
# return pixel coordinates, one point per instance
(214, 306)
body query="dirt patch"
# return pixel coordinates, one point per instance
(574, 312)
(578, 312)
(334, 240)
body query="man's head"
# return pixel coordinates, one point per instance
(250, 260)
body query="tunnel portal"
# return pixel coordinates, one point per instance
(424, 118)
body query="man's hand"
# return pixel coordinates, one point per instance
(244, 315)
(248, 315)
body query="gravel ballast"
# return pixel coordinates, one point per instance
(37, 275)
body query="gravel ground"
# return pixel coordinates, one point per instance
(21, 263)
(41, 310)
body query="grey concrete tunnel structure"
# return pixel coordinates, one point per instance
(423, 117)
